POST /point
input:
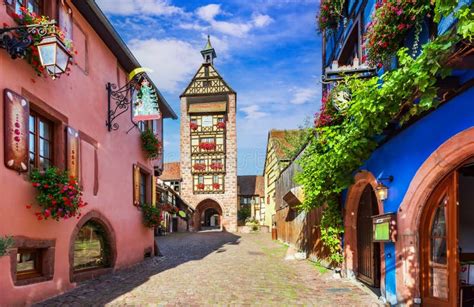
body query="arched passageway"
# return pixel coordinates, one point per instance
(208, 215)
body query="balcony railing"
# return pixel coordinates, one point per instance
(212, 188)
(217, 148)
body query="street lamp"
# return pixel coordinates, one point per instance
(381, 189)
(54, 55)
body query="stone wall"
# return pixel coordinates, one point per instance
(227, 200)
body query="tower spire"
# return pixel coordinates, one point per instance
(208, 53)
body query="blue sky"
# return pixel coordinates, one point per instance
(269, 51)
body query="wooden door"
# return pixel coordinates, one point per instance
(438, 244)
(368, 252)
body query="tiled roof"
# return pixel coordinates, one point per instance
(250, 185)
(171, 171)
(280, 140)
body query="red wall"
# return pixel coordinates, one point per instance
(82, 98)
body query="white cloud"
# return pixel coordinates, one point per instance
(172, 61)
(302, 95)
(148, 7)
(208, 13)
(253, 112)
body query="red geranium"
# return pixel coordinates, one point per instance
(216, 166)
(330, 13)
(193, 126)
(220, 125)
(200, 186)
(199, 167)
(207, 145)
(216, 186)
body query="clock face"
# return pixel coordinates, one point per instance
(207, 121)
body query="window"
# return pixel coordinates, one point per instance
(207, 140)
(28, 263)
(143, 189)
(141, 126)
(41, 142)
(200, 179)
(91, 247)
(215, 179)
(34, 6)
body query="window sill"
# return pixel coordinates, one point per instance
(32, 280)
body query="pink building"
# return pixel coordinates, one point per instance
(62, 123)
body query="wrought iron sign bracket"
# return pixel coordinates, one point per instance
(119, 101)
(15, 40)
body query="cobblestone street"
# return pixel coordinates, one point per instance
(218, 269)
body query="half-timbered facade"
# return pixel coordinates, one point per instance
(209, 148)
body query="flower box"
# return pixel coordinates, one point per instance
(207, 146)
(216, 166)
(220, 125)
(200, 186)
(216, 186)
(193, 126)
(199, 167)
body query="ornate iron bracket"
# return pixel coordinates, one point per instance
(123, 101)
(16, 40)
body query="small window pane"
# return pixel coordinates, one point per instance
(32, 143)
(32, 123)
(44, 130)
(44, 163)
(45, 149)
(25, 261)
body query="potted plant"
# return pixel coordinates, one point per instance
(216, 186)
(220, 125)
(58, 195)
(330, 13)
(207, 145)
(200, 186)
(193, 126)
(151, 215)
(150, 144)
(199, 167)
(216, 166)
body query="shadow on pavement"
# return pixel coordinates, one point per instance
(176, 249)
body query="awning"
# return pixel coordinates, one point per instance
(208, 107)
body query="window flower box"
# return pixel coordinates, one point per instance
(199, 167)
(207, 146)
(200, 186)
(220, 125)
(216, 166)
(216, 186)
(193, 126)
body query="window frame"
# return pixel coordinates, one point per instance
(12, 6)
(37, 118)
(37, 271)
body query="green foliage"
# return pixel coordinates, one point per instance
(243, 213)
(6, 242)
(151, 215)
(150, 144)
(335, 152)
(294, 140)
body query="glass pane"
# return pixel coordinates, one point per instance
(89, 251)
(47, 53)
(439, 283)
(44, 129)
(44, 163)
(25, 261)
(45, 149)
(438, 229)
(62, 59)
(32, 159)
(438, 250)
(32, 123)
(32, 143)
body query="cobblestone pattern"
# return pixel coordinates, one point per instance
(201, 269)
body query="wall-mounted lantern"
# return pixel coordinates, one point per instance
(54, 56)
(381, 189)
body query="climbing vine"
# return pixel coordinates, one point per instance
(337, 150)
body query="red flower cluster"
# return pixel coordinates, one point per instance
(32, 55)
(193, 126)
(200, 186)
(390, 23)
(59, 196)
(207, 146)
(216, 166)
(199, 167)
(216, 186)
(220, 125)
(330, 13)
(323, 117)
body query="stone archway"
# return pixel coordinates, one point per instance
(354, 194)
(449, 156)
(108, 239)
(208, 215)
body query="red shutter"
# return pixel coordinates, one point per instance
(16, 131)
(72, 152)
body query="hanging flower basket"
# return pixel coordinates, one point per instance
(220, 125)
(59, 196)
(216, 186)
(193, 126)
(151, 215)
(216, 166)
(199, 167)
(200, 186)
(26, 18)
(330, 13)
(150, 144)
(207, 146)
(389, 26)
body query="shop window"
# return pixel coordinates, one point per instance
(41, 142)
(29, 263)
(91, 247)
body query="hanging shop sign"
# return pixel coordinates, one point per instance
(385, 227)
(145, 102)
(16, 131)
(73, 159)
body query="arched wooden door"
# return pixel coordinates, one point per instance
(438, 245)
(368, 252)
